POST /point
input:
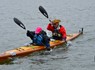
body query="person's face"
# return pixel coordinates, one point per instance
(55, 25)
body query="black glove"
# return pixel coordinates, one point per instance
(28, 33)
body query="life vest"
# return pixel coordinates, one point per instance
(56, 34)
(38, 39)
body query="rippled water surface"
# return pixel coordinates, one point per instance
(74, 15)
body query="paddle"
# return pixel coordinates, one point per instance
(18, 22)
(44, 12)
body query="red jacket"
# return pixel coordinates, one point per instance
(61, 30)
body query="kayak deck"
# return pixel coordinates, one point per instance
(25, 50)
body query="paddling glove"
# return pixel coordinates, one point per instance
(30, 34)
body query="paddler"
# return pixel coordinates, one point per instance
(39, 37)
(58, 31)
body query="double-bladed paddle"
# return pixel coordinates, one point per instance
(44, 12)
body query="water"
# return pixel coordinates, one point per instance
(74, 14)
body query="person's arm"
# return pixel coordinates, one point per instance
(46, 41)
(63, 31)
(30, 34)
(50, 27)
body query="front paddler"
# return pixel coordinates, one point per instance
(39, 37)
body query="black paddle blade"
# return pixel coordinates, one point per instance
(43, 11)
(18, 22)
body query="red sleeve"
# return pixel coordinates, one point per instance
(50, 27)
(63, 31)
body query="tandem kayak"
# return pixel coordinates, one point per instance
(26, 50)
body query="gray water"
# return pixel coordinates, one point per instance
(74, 15)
